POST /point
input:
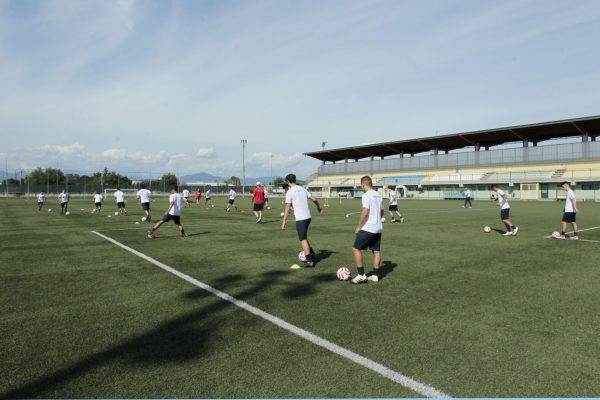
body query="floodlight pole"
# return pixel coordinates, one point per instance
(243, 141)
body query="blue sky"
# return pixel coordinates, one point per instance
(159, 86)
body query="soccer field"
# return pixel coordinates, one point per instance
(462, 312)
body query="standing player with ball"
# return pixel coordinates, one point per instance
(368, 231)
(570, 213)
(511, 229)
(173, 213)
(298, 197)
(144, 195)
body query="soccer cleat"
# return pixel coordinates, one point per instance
(359, 279)
(561, 237)
(392, 220)
(149, 219)
(514, 232)
(401, 220)
(184, 235)
(373, 278)
(258, 220)
(507, 233)
(308, 264)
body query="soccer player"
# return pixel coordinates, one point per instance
(198, 196)
(144, 195)
(467, 194)
(41, 198)
(298, 197)
(230, 204)
(266, 191)
(63, 197)
(258, 199)
(207, 198)
(368, 231)
(173, 213)
(502, 198)
(570, 213)
(393, 208)
(97, 202)
(186, 193)
(120, 199)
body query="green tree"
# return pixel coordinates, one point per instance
(169, 179)
(234, 180)
(52, 175)
(278, 181)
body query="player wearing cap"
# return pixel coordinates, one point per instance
(511, 229)
(298, 197)
(258, 199)
(570, 213)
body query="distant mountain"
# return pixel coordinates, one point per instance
(206, 177)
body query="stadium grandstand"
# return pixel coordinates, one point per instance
(529, 161)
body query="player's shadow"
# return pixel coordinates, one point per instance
(324, 254)
(501, 231)
(386, 267)
(198, 233)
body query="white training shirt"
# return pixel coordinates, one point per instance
(144, 195)
(119, 196)
(467, 193)
(98, 198)
(177, 201)
(393, 198)
(503, 203)
(208, 194)
(232, 194)
(186, 193)
(569, 201)
(373, 201)
(63, 197)
(298, 197)
(41, 198)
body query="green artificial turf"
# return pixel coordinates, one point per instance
(469, 313)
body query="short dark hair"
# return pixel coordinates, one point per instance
(118, 188)
(291, 178)
(143, 186)
(565, 183)
(175, 188)
(366, 180)
(494, 185)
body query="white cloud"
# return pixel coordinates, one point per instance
(64, 150)
(206, 152)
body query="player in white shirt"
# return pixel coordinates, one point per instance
(511, 229)
(145, 195)
(173, 213)
(266, 198)
(97, 202)
(120, 199)
(393, 208)
(368, 231)
(232, 195)
(63, 197)
(41, 198)
(186, 193)
(570, 213)
(207, 198)
(297, 197)
(467, 194)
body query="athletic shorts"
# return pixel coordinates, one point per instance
(98, 205)
(185, 198)
(63, 205)
(366, 239)
(146, 206)
(569, 217)
(393, 208)
(121, 204)
(174, 218)
(231, 201)
(259, 207)
(504, 214)
(40, 203)
(302, 229)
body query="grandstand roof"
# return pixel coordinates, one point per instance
(534, 133)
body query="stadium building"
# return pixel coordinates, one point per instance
(528, 161)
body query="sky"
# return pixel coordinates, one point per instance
(149, 87)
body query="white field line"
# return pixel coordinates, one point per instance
(418, 387)
(581, 230)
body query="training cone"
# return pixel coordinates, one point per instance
(295, 266)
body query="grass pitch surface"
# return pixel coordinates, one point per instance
(469, 313)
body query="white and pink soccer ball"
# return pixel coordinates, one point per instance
(151, 234)
(487, 229)
(343, 274)
(302, 256)
(555, 234)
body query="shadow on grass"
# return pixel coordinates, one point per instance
(387, 267)
(179, 339)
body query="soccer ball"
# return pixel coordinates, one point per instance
(151, 234)
(382, 219)
(301, 256)
(68, 213)
(282, 214)
(212, 205)
(343, 274)
(49, 210)
(487, 229)
(268, 207)
(93, 211)
(116, 213)
(143, 219)
(555, 234)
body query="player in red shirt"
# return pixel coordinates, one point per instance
(198, 196)
(258, 198)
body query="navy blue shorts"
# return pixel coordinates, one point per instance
(302, 229)
(504, 214)
(366, 239)
(231, 201)
(393, 208)
(174, 218)
(121, 204)
(63, 205)
(259, 207)
(146, 206)
(569, 217)
(98, 205)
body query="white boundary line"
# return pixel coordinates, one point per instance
(581, 230)
(382, 370)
